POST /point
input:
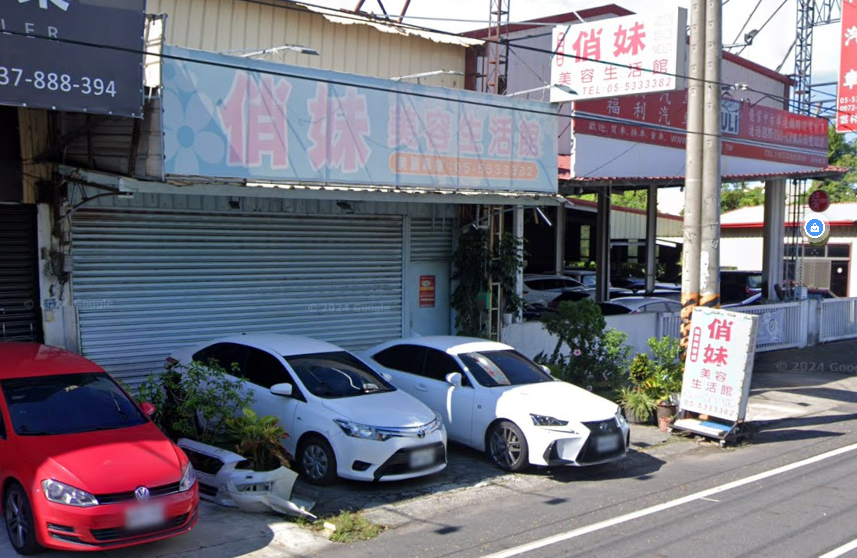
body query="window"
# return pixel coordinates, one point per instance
(534, 284)
(404, 358)
(503, 368)
(838, 251)
(585, 234)
(230, 356)
(265, 370)
(51, 405)
(654, 307)
(438, 364)
(337, 374)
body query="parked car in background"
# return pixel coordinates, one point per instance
(643, 304)
(494, 399)
(542, 289)
(342, 417)
(820, 294)
(584, 276)
(81, 465)
(736, 286)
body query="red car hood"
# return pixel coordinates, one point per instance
(108, 461)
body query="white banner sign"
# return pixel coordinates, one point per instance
(719, 363)
(627, 55)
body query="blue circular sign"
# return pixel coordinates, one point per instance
(814, 228)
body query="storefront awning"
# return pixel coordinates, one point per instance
(197, 186)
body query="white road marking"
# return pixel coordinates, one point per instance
(710, 500)
(841, 550)
(573, 534)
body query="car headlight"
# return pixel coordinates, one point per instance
(542, 420)
(362, 431)
(188, 478)
(61, 493)
(620, 417)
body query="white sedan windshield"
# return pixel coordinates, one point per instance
(503, 368)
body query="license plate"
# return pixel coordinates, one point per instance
(607, 444)
(422, 458)
(145, 516)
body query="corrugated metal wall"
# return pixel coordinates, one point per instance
(20, 316)
(223, 25)
(160, 272)
(431, 239)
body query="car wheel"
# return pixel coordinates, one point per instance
(507, 447)
(19, 521)
(316, 461)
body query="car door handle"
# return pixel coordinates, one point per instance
(421, 387)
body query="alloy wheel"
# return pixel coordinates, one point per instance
(17, 520)
(505, 447)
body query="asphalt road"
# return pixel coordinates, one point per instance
(779, 505)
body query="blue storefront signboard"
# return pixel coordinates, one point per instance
(227, 117)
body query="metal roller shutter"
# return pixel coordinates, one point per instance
(147, 282)
(431, 239)
(20, 318)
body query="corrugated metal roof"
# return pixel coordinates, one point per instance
(335, 16)
(837, 214)
(565, 176)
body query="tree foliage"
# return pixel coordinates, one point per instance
(841, 153)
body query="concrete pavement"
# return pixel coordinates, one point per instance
(786, 385)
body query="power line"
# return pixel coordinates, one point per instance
(747, 22)
(766, 23)
(284, 73)
(346, 14)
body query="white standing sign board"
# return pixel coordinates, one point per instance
(629, 55)
(719, 363)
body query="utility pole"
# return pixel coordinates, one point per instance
(693, 170)
(709, 272)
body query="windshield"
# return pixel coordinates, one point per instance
(588, 280)
(754, 281)
(69, 404)
(338, 374)
(503, 368)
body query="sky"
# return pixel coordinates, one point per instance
(770, 46)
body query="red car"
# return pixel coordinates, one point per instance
(81, 465)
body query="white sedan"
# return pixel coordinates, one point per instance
(343, 418)
(494, 399)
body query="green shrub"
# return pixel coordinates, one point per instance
(259, 439)
(194, 401)
(599, 356)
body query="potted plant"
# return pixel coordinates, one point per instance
(507, 261)
(664, 378)
(638, 405)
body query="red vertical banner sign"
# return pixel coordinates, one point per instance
(846, 106)
(427, 291)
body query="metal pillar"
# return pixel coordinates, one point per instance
(693, 170)
(602, 246)
(559, 226)
(709, 274)
(496, 55)
(651, 239)
(773, 248)
(518, 231)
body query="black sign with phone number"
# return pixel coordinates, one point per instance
(44, 65)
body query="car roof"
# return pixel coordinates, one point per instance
(451, 344)
(282, 344)
(640, 300)
(541, 276)
(27, 360)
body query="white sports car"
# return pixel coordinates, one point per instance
(494, 399)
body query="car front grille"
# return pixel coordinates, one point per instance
(400, 462)
(601, 429)
(107, 535)
(155, 492)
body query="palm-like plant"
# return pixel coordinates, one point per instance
(259, 439)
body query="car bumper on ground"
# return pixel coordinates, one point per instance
(114, 525)
(390, 460)
(589, 443)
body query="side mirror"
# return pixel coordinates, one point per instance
(454, 379)
(282, 389)
(148, 408)
(387, 376)
(546, 369)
